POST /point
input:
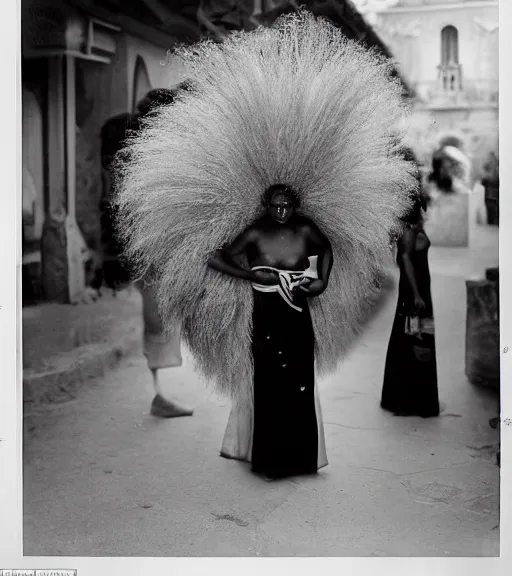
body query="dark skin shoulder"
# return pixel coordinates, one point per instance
(225, 260)
(314, 237)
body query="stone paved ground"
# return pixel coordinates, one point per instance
(104, 478)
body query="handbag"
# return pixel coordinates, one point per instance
(420, 333)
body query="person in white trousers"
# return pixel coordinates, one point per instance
(162, 349)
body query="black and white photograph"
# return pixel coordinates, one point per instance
(259, 272)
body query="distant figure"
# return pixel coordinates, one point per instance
(447, 190)
(409, 155)
(162, 350)
(491, 184)
(450, 168)
(410, 377)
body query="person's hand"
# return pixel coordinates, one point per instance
(265, 277)
(314, 287)
(302, 284)
(419, 303)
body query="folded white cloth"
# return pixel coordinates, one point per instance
(288, 280)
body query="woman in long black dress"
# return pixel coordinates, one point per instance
(290, 260)
(410, 377)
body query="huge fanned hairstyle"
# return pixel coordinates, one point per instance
(297, 104)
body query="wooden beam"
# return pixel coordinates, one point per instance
(164, 39)
(37, 54)
(170, 19)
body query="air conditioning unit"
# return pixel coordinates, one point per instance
(100, 41)
(50, 31)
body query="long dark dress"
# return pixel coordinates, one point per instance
(410, 384)
(285, 436)
(282, 432)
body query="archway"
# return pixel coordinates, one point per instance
(141, 82)
(33, 171)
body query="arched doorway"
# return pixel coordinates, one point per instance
(33, 201)
(141, 82)
(32, 171)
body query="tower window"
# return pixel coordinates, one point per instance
(449, 46)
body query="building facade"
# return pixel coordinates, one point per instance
(85, 62)
(448, 51)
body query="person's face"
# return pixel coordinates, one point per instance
(281, 208)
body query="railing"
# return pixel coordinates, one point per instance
(451, 89)
(450, 78)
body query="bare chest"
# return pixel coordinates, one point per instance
(285, 249)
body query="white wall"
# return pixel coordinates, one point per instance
(110, 89)
(414, 36)
(163, 71)
(33, 171)
(412, 30)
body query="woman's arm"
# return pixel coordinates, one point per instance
(224, 261)
(325, 262)
(405, 247)
(321, 247)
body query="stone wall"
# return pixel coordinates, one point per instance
(164, 71)
(104, 91)
(482, 334)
